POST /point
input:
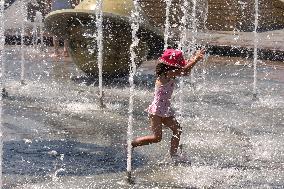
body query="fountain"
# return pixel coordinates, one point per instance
(38, 30)
(255, 59)
(167, 24)
(2, 82)
(3, 90)
(135, 41)
(79, 23)
(56, 135)
(24, 17)
(99, 40)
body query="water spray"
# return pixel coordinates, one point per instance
(99, 39)
(207, 54)
(38, 29)
(182, 46)
(193, 39)
(255, 59)
(2, 42)
(167, 23)
(24, 17)
(135, 42)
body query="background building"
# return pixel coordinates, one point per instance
(224, 15)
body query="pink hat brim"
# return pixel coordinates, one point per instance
(179, 65)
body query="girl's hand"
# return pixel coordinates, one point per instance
(199, 55)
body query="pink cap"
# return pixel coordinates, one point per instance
(173, 57)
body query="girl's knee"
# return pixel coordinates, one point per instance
(157, 138)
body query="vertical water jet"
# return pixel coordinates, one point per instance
(167, 23)
(38, 29)
(193, 38)
(99, 39)
(24, 17)
(133, 56)
(2, 49)
(255, 56)
(2, 42)
(182, 45)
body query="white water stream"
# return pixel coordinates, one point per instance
(2, 73)
(135, 42)
(183, 47)
(99, 38)
(255, 59)
(193, 38)
(24, 19)
(167, 23)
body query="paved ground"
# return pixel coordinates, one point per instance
(56, 136)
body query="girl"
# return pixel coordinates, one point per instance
(171, 64)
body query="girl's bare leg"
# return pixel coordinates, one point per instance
(172, 123)
(156, 126)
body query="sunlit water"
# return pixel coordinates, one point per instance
(255, 59)
(38, 31)
(133, 71)
(167, 23)
(56, 136)
(24, 13)
(99, 41)
(2, 80)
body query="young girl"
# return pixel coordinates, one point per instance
(171, 64)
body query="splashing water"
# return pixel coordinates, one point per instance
(2, 40)
(193, 39)
(225, 133)
(2, 49)
(183, 26)
(38, 29)
(24, 17)
(167, 23)
(99, 38)
(135, 42)
(255, 59)
(182, 46)
(205, 17)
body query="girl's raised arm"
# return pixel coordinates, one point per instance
(187, 68)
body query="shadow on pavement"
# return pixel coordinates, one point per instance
(41, 158)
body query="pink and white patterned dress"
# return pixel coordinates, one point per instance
(161, 105)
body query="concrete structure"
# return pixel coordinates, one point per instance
(78, 26)
(224, 15)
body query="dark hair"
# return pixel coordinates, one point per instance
(161, 69)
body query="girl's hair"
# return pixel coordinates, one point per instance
(161, 69)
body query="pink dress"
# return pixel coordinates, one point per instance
(161, 104)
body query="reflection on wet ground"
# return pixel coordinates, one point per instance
(56, 136)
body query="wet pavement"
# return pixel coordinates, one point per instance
(57, 136)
